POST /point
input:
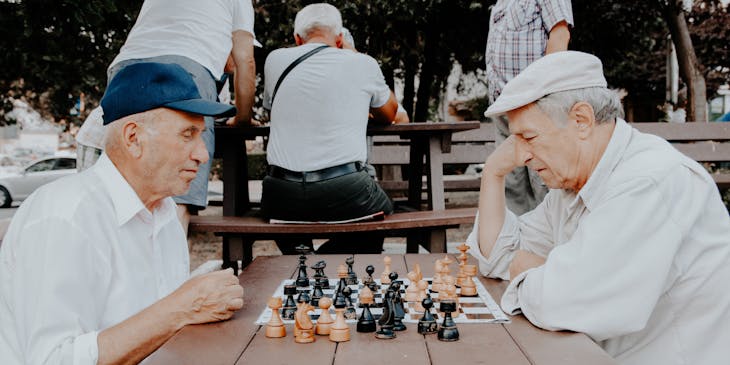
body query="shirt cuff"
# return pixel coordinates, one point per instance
(497, 265)
(510, 299)
(86, 348)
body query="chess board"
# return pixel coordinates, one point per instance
(479, 309)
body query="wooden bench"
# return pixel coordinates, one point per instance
(240, 232)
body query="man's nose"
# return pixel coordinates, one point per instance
(522, 150)
(200, 152)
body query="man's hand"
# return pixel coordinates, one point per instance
(503, 160)
(524, 261)
(208, 298)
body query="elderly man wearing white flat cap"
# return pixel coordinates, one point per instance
(632, 243)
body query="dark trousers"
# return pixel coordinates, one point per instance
(344, 197)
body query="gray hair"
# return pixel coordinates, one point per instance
(606, 103)
(347, 37)
(317, 16)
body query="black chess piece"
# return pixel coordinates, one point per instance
(427, 324)
(322, 277)
(387, 319)
(290, 306)
(304, 298)
(369, 281)
(399, 310)
(302, 279)
(351, 276)
(317, 294)
(350, 312)
(366, 323)
(448, 330)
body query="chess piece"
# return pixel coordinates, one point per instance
(369, 281)
(303, 326)
(399, 310)
(275, 326)
(427, 324)
(422, 294)
(417, 270)
(449, 290)
(351, 276)
(325, 320)
(412, 289)
(392, 278)
(448, 330)
(302, 279)
(339, 331)
(290, 306)
(469, 288)
(366, 323)
(437, 281)
(322, 278)
(384, 276)
(387, 319)
(317, 293)
(350, 312)
(342, 274)
(462, 261)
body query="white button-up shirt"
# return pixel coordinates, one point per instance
(638, 259)
(83, 254)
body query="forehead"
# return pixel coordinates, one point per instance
(180, 120)
(528, 118)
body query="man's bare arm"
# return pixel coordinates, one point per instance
(386, 113)
(558, 38)
(523, 261)
(206, 298)
(244, 82)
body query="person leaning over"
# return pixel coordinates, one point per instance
(95, 266)
(632, 243)
(319, 115)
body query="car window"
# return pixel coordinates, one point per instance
(65, 164)
(44, 165)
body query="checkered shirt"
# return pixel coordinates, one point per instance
(518, 33)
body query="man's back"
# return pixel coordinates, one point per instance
(321, 108)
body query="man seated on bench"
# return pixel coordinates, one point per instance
(319, 114)
(95, 266)
(632, 244)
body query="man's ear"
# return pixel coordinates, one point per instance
(583, 116)
(298, 40)
(132, 134)
(338, 41)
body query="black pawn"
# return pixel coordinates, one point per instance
(317, 294)
(387, 320)
(323, 280)
(351, 276)
(369, 281)
(366, 323)
(448, 330)
(350, 312)
(290, 306)
(427, 324)
(399, 310)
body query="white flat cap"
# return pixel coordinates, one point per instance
(559, 71)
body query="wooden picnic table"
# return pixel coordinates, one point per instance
(428, 142)
(241, 341)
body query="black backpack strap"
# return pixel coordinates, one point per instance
(290, 67)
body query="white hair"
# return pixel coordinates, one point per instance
(606, 103)
(317, 16)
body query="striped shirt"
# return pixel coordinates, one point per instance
(518, 33)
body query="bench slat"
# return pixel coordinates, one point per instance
(684, 132)
(396, 221)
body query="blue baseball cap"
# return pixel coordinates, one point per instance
(145, 86)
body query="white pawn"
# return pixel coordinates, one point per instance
(384, 279)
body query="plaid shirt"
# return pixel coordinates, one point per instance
(518, 33)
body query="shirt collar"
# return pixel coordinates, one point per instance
(611, 157)
(127, 203)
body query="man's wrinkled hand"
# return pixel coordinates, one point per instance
(504, 159)
(211, 297)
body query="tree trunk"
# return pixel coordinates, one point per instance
(425, 80)
(688, 66)
(409, 87)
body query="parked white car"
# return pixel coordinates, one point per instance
(18, 186)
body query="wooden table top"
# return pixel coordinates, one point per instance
(404, 129)
(241, 341)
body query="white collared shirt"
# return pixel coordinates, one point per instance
(82, 254)
(639, 259)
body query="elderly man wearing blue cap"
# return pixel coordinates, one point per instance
(95, 266)
(632, 243)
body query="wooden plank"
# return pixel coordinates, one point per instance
(705, 151)
(223, 342)
(686, 131)
(410, 220)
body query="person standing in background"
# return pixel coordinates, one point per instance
(520, 32)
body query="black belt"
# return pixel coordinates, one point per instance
(314, 176)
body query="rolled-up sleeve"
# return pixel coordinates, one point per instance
(58, 291)
(606, 279)
(555, 11)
